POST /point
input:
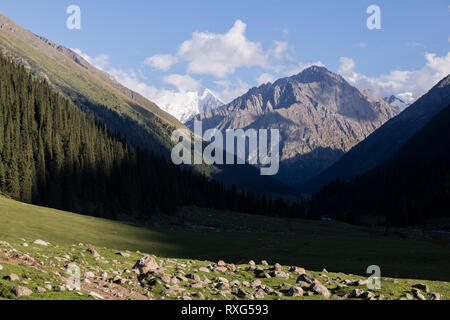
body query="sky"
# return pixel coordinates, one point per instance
(163, 49)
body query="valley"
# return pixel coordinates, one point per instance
(178, 246)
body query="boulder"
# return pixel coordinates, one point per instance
(96, 295)
(243, 294)
(434, 296)
(12, 277)
(259, 294)
(306, 278)
(145, 265)
(264, 263)
(203, 269)
(21, 291)
(320, 289)
(297, 270)
(94, 253)
(41, 243)
(281, 274)
(277, 267)
(422, 287)
(295, 292)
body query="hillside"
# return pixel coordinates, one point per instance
(414, 184)
(189, 266)
(384, 142)
(123, 110)
(320, 117)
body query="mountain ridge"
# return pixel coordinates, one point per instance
(320, 117)
(385, 141)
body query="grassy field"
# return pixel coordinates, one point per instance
(210, 235)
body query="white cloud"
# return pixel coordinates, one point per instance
(265, 78)
(183, 82)
(101, 61)
(161, 61)
(230, 90)
(221, 54)
(416, 82)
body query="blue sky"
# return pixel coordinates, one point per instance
(240, 44)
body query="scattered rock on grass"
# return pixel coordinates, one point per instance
(41, 243)
(21, 291)
(295, 292)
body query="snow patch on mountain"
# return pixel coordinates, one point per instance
(184, 105)
(396, 101)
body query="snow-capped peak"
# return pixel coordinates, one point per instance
(185, 105)
(396, 102)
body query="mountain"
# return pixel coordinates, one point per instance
(410, 188)
(185, 105)
(319, 114)
(140, 121)
(52, 153)
(396, 102)
(385, 141)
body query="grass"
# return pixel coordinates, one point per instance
(212, 235)
(197, 236)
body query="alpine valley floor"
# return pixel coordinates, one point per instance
(198, 254)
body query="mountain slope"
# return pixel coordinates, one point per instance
(384, 142)
(141, 122)
(320, 117)
(124, 111)
(414, 184)
(396, 102)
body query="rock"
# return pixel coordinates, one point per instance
(25, 244)
(259, 294)
(89, 275)
(367, 295)
(12, 277)
(277, 267)
(1, 267)
(320, 289)
(166, 278)
(94, 253)
(223, 286)
(246, 284)
(221, 263)
(40, 290)
(231, 267)
(281, 274)
(243, 294)
(21, 291)
(59, 288)
(199, 295)
(295, 292)
(235, 283)
(48, 287)
(409, 296)
(220, 269)
(145, 265)
(360, 282)
(324, 270)
(306, 278)
(194, 276)
(264, 263)
(266, 275)
(303, 284)
(41, 243)
(104, 275)
(420, 296)
(297, 270)
(251, 262)
(256, 284)
(96, 295)
(357, 293)
(422, 287)
(434, 296)
(203, 269)
(123, 254)
(118, 280)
